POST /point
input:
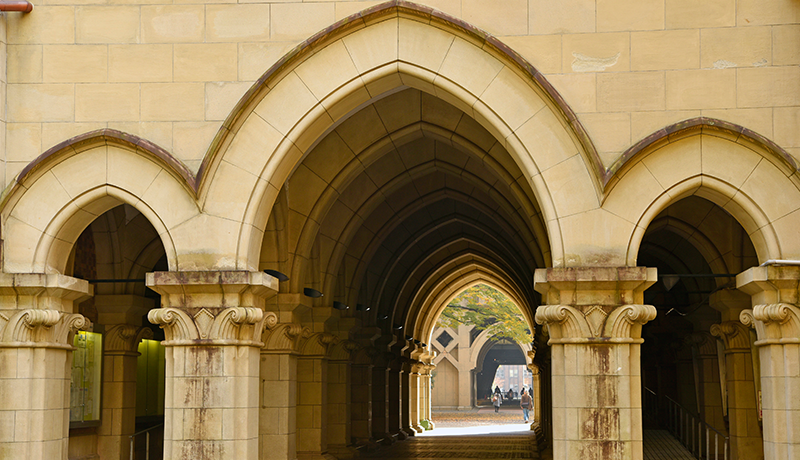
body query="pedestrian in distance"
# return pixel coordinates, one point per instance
(525, 403)
(496, 401)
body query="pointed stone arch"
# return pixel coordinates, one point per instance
(728, 165)
(56, 196)
(368, 56)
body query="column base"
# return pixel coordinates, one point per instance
(417, 428)
(402, 435)
(384, 439)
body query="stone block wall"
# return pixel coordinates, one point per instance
(171, 73)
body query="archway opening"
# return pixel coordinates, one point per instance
(698, 249)
(118, 375)
(481, 342)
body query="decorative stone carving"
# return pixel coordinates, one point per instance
(567, 324)
(777, 323)
(230, 326)
(281, 337)
(318, 344)
(41, 328)
(734, 335)
(705, 343)
(343, 350)
(124, 338)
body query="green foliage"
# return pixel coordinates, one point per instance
(487, 309)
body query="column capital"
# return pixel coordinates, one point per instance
(704, 342)
(40, 328)
(733, 334)
(589, 286)
(567, 324)
(777, 323)
(212, 307)
(771, 284)
(281, 337)
(318, 344)
(123, 339)
(36, 309)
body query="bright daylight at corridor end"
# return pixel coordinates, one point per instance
(339, 229)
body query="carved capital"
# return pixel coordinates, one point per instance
(704, 342)
(124, 338)
(734, 335)
(777, 323)
(318, 344)
(344, 350)
(567, 324)
(40, 328)
(281, 337)
(212, 326)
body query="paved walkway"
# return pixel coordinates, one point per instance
(660, 445)
(482, 433)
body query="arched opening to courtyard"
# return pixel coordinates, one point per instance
(482, 345)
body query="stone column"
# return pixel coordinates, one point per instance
(394, 400)
(277, 430)
(594, 318)
(339, 381)
(213, 322)
(120, 354)
(425, 400)
(312, 395)
(361, 396)
(414, 397)
(36, 331)
(745, 432)
(776, 318)
(380, 418)
(405, 394)
(704, 350)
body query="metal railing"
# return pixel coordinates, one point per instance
(694, 433)
(146, 432)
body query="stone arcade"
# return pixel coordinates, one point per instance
(159, 156)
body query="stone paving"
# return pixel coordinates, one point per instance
(468, 435)
(482, 433)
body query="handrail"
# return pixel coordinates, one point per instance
(688, 428)
(147, 441)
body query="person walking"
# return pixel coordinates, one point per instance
(496, 401)
(525, 403)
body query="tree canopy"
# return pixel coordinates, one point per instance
(486, 308)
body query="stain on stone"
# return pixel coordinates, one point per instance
(583, 63)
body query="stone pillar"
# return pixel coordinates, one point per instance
(405, 394)
(361, 396)
(339, 419)
(36, 331)
(120, 354)
(425, 400)
(277, 430)
(395, 400)
(745, 431)
(594, 318)
(414, 397)
(704, 351)
(775, 316)
(312, 395)
(380, 419)
(213, 323)
(536, 389)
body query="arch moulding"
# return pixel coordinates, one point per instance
(365, 57)
(728, 165)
